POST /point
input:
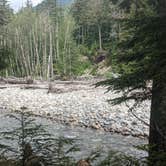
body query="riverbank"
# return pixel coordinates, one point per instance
(76, 103)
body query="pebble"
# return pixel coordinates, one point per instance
(88, 107)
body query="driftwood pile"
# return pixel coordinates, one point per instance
(66, 87)
(56, 87)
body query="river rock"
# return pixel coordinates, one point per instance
(86, 106)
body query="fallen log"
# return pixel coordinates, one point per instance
(17, 81)
(72, 82)
(33, 87)
(3, 87)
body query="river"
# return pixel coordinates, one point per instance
(87, 139)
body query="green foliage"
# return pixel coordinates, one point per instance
(4, 53)
(117, 159)
(5, 13)
(33, 141)
(82, 67)
(108, 75)
(42, 42)
(136, 53)
(89, 15)
(45, 40)
(141, 56)
(97, 27)
(160, 157)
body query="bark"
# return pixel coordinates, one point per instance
(100, 38)
(23, 58)
(65, 49)
(35, 40)
(70, 63)
(157, 139)
(45, 56)
(83, 39)
(17, 81)
(31, 56)
(50, 59)
(57, 40)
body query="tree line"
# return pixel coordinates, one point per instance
(53, 39)
(41, 42)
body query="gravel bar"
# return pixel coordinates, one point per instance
(78, 105)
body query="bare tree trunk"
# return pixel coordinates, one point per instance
(70, 62)
(57, 40)
(157, 139)
(31, 56)
(51, 54)
(100, 38)
(22, 53)
(83, 40)
(50, 59)
(38, 70)
(48, 68)
(45, 55)
(65, 48)
(28, 57)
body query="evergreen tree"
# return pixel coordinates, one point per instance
(33, 144)
(29, 4)
(4, 18)
(142, 59)
(94, 20)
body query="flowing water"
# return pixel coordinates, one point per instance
(87, 139)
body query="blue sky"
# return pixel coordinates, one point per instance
(17, 4)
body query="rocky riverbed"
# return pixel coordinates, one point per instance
(77, 103)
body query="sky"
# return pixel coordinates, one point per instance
(17, 4)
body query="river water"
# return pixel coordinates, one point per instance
(87, 139)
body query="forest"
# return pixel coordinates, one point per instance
(83, 67)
